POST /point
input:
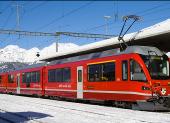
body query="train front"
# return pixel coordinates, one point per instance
(158, 67)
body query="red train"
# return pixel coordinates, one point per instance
(137, 78)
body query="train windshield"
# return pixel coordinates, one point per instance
(158, 66)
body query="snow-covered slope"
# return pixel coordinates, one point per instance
(13, 53)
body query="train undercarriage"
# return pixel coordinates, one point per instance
(154, 104)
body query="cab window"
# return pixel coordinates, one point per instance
(124, 70)
(136, 71)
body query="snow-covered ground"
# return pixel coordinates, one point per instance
(53, 111)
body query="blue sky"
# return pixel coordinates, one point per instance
(75, 16)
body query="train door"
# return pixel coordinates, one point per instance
(18, 83)
(80, 82)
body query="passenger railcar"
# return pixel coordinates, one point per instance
(61, 80)
(27, 81)
(138, 77)
(31, 81)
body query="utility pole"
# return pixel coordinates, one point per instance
(57, 41)
(17, 16)
(106, 19)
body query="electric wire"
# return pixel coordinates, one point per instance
(150, 9)
(5, 8)
(67, 14)
(7, 20)
(37, 6)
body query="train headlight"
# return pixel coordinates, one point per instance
(163, 91)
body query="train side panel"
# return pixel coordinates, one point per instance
(117, 89)
(31, 81)
(62, 85)
(11, 82)
(3, 82)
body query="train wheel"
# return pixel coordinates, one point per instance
(122, 104)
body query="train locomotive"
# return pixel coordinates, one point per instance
(136, 78)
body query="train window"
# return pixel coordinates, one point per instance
(11, 78)
(136, 72)
(79, 75)
(0, 79)
(66, 74)
(51, 75)
(94, 72)
(108, 71)
(124, 70)
(33, 76)
(23, 78)
(59, 75)
(38, 76)
(28, 77)
(101, 72)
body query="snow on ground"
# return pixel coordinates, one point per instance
(53, 111)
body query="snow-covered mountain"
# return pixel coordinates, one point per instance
(13, 53)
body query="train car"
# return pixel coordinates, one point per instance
(137, 77)
(31, 81)
(27, 81)
(60, 80)
(3, 82)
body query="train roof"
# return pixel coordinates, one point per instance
(143, 50)
(13, 66)
(150, 36)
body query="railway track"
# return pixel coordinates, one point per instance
(12, 117)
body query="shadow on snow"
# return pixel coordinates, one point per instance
(21, 117)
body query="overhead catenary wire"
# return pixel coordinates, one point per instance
(156, 11)
(140, 12)
(67, 14)
(150, 9)
(5, 8)
(144, 11)
(35, 7)
(7, 20)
